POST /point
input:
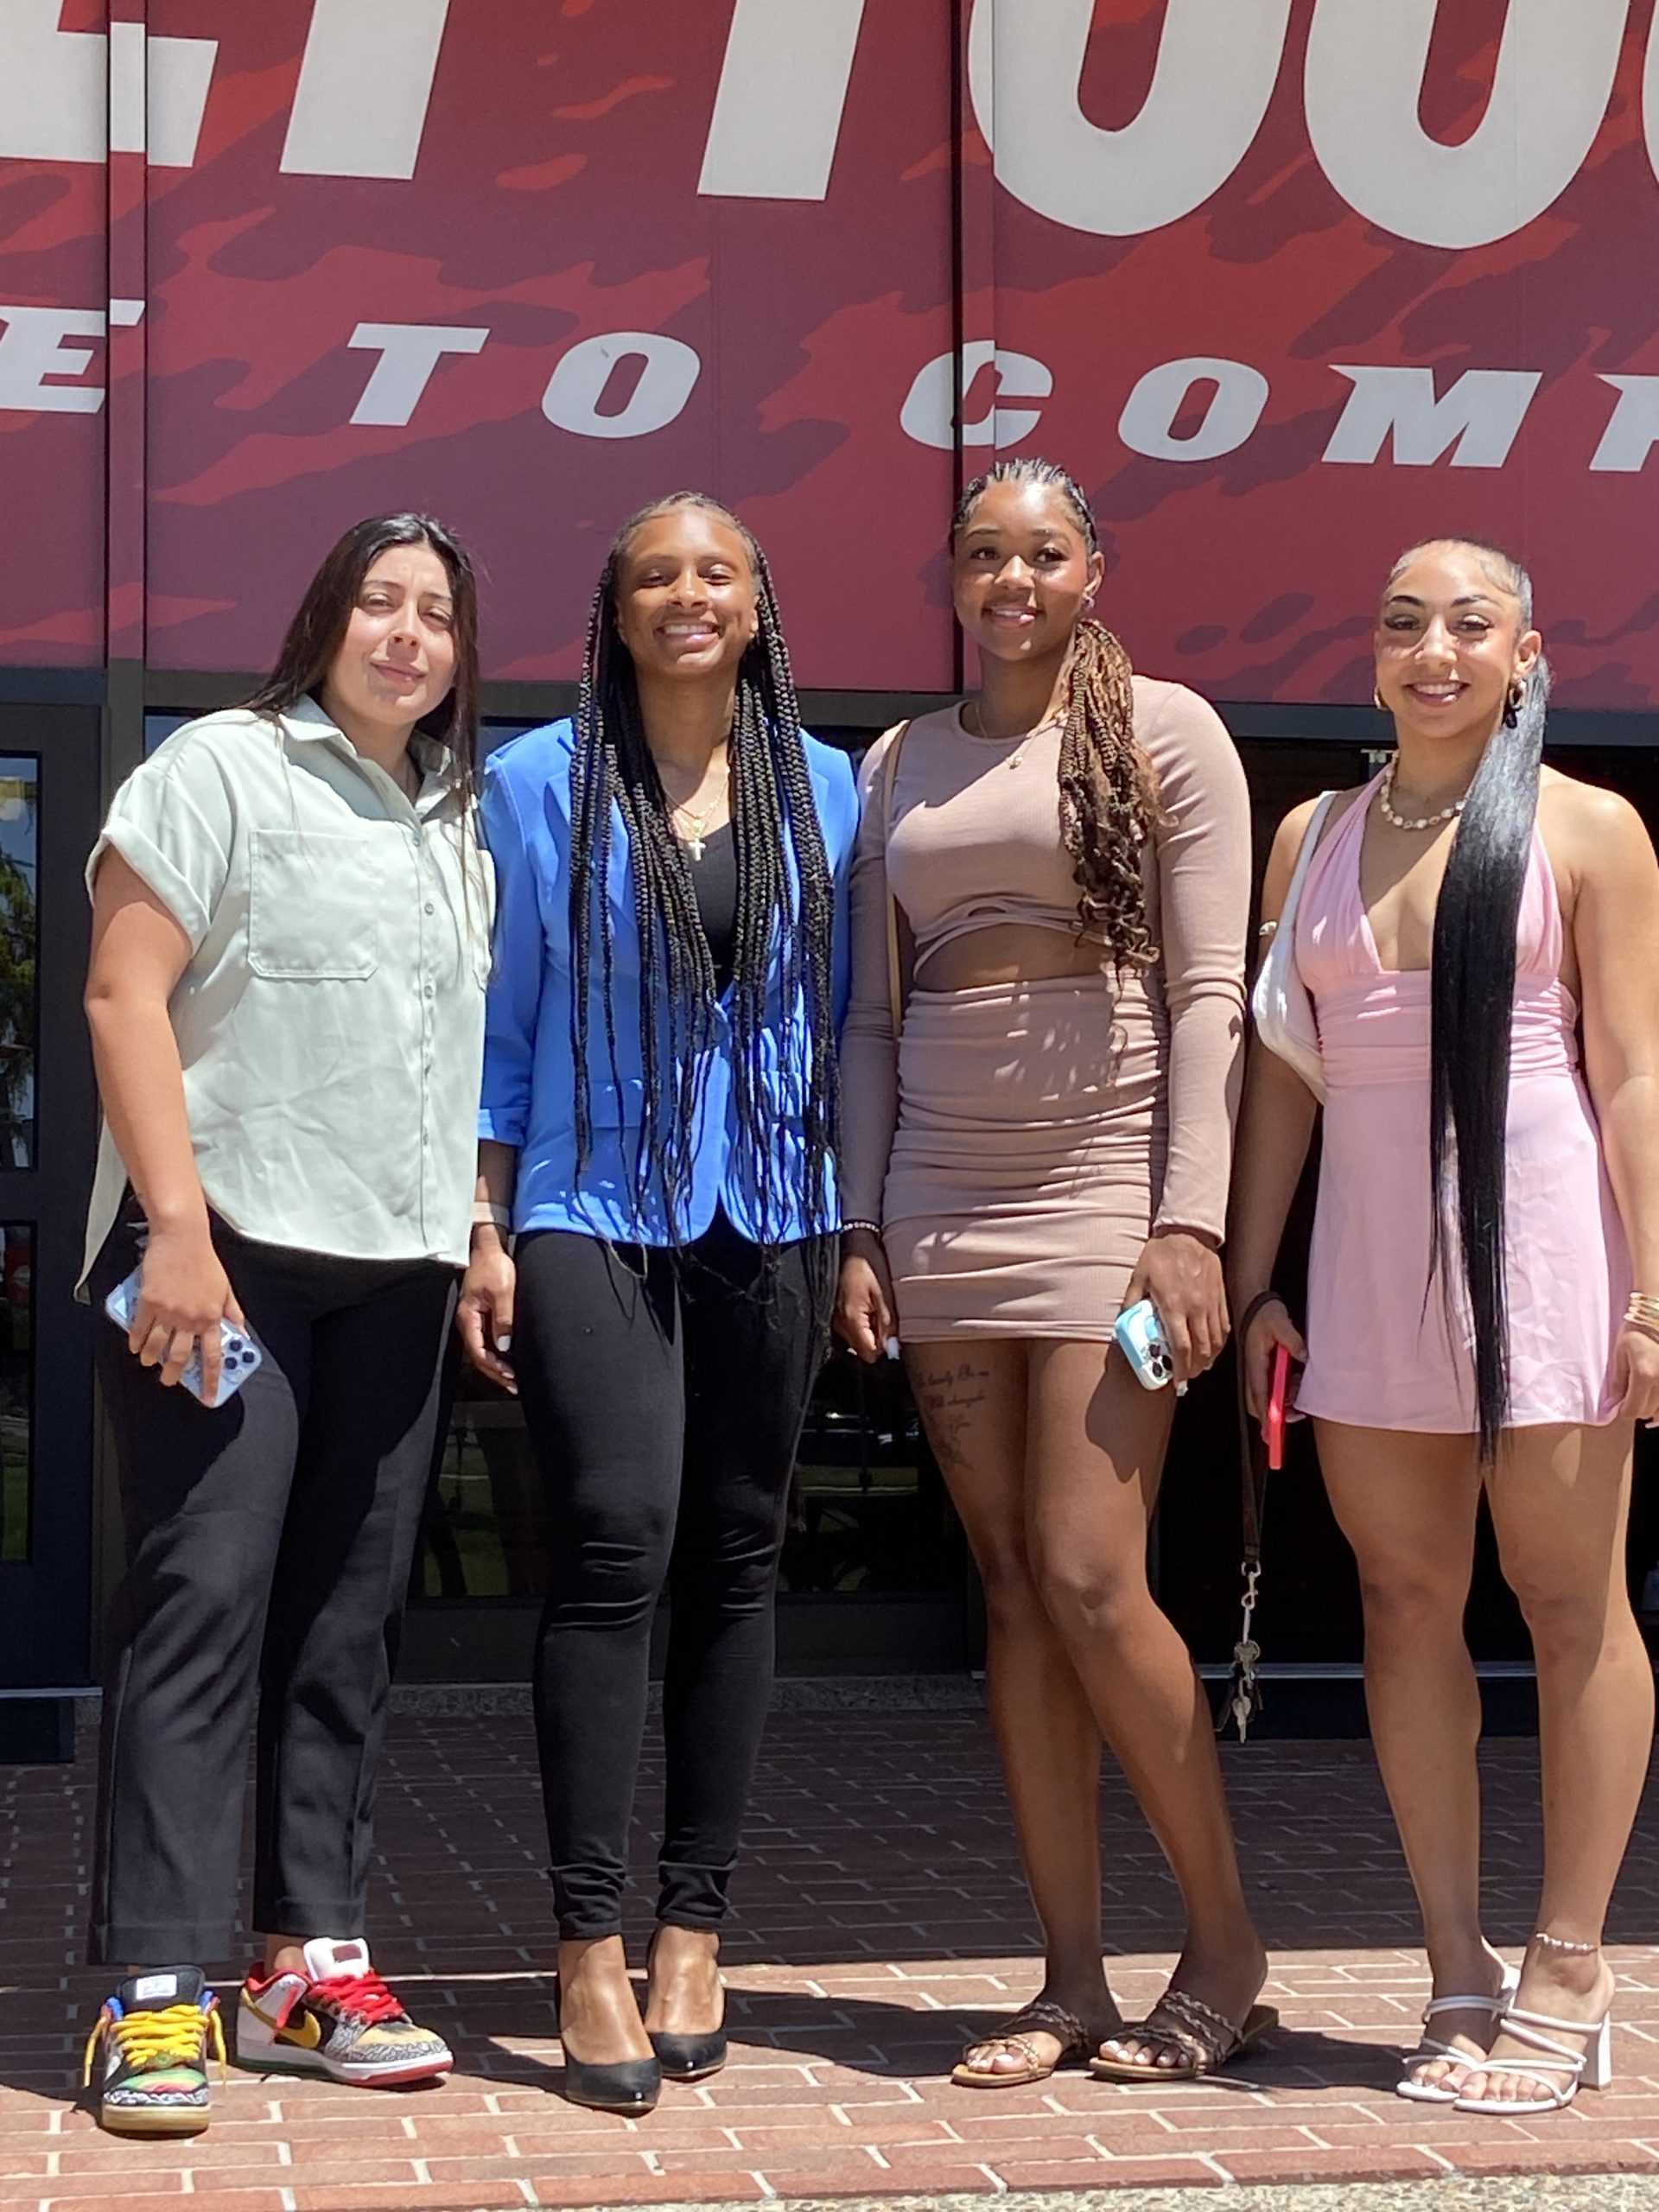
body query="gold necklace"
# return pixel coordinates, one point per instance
(971, 707)
(697, 844)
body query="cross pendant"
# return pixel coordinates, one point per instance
(695, 846)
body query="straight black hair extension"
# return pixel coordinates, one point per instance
(1472, 1002)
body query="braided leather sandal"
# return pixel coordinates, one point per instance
(1041, 2017)
(1205, 2039)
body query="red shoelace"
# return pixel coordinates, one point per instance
(358, 1996)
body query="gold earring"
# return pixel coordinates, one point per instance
(1376, 701)
(1518, 694)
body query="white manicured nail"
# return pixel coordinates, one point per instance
(891, 1347)
(503, 1343)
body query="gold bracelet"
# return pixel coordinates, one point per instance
(1639, 1307)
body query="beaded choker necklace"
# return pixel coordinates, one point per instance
(1385, 801)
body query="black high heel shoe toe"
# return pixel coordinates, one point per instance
(686, 2057)
(629, 2086)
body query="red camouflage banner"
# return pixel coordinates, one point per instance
(1288, 283)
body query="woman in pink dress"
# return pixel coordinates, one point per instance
(1478, 938)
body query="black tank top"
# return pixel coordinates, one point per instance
(714, 878)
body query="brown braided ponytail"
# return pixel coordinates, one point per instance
(1109, 797)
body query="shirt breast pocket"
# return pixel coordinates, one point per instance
(312, 901)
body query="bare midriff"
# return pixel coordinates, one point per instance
(1006, 952)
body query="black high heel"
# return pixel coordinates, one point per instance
(630, 2086)
(686, 2058)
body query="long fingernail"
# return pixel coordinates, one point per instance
(503, 1343)
(891, 1347)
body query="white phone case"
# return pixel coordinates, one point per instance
(239, 1355)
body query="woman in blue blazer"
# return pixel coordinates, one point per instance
(658, 1134)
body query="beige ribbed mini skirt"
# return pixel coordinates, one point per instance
(1028, 1159)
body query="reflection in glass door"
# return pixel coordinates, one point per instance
(49, 793)
(19, 795)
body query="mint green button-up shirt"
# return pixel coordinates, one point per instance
(330, 1019)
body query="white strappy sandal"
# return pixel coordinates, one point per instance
(1589, 2069)
(1430, 2048)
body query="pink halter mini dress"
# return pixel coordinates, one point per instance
(1380, 1354)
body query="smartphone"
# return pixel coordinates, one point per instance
(1273, 1421)
(1141, 1338)
(238, 1353)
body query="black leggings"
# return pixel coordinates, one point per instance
(664, 1394)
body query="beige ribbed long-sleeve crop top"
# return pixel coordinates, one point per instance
(973, 844)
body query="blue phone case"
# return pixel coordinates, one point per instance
(239, 1353)
(1141, 1338)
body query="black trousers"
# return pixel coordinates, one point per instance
(267, 1551)
(664, 1394)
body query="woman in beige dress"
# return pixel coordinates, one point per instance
(1043, 1143)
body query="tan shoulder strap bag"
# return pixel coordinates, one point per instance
(897, 990)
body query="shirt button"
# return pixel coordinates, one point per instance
(428, 990)
(430, 908)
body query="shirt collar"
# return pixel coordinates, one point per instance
(306, 722)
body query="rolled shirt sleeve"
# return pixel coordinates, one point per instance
(174, 823)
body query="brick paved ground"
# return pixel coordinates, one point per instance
(884, 1921)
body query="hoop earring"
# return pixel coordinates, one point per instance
(1376, 701)
(1512, 703)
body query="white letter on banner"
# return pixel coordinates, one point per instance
(929, 413)
(54, 104)
(158, 94)
(782, 89)
(408, 353)
(1217, 63)
(365, 85)
(1147, 422)
(1366, 68)
(56, 99)
(1477, 421)
(1634, 431)
(32, 349)
(577, 385)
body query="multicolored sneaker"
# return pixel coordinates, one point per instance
(338, 2019)
(153, 2035)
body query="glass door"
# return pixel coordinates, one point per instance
(48, 814)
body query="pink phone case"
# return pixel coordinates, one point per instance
(1273, 1423)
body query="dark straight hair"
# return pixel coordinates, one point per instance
(1472, 985)
(316, 633)
(773, 814)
